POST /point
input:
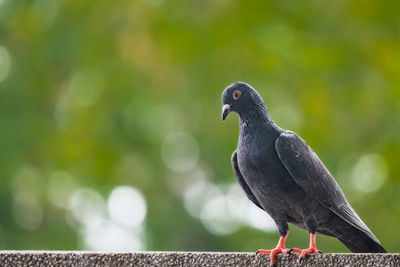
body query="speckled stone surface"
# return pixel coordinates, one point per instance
(83, 258)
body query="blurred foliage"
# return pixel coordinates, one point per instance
(101, 92)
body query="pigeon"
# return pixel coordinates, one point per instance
(283, 176)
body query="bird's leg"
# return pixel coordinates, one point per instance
(311, 249)
(280, 248)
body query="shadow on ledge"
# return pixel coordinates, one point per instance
(84, 258)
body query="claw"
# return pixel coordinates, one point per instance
(295, 250)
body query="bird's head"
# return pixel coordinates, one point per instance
(240, 98)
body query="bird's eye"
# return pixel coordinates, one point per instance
(236, 95)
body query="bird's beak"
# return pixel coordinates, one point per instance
(225, 111)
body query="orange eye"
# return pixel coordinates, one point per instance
(236, 95)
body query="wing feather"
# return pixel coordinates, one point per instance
(242, 182)
(311, 174)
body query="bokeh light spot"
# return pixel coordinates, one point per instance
(28, 211)
(107, 236)
(178, 182)
(60, 187)
(196, 195)
(126, 206)
(87, 206)
(259, 219)
(26, 179)
(369, 173)
(216, 217)
(119, 229)
(180, 151)
(223, 209)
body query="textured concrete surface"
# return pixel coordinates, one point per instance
(78, 258)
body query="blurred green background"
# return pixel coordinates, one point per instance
(110, 129)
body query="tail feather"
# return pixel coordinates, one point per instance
(358, 241)
(361, 243)
(353, 238)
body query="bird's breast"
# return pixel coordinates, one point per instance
(261, 167)
(257, 159)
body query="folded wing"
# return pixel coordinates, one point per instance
(310, 173)
(242, 182)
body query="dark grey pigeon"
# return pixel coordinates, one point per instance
(283, 176)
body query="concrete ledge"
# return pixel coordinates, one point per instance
(83, 258)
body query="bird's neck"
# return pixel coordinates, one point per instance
(257, 121)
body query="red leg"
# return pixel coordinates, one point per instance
(279, 249)
(311, 249)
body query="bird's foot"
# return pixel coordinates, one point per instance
(304, 252)
(272, 252)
